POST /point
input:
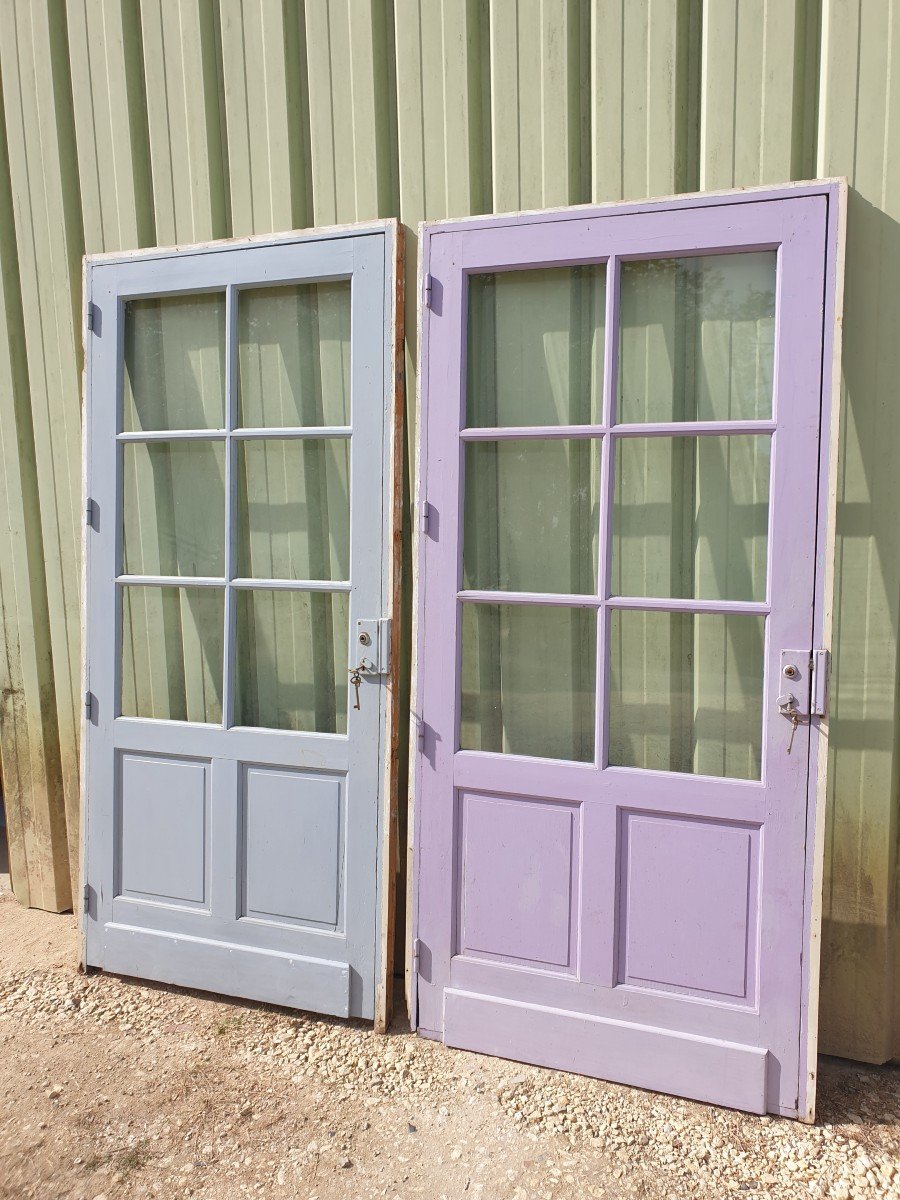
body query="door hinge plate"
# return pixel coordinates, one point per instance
(373, 640)
(415, 954)
(88, 704)
(427, 290)
(424, 517)
(821, 670)
(89, 513)
(89, 316)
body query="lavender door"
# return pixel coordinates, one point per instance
(620, 478)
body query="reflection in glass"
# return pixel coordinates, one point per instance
(685, 692)
(172, 653)
(691, 517)
(535, 354)
(294, 355)
(530, 515)
(175, 363)
(528, 674)
(697, 338)
(294, 509)
(173, 508)
(291, 670)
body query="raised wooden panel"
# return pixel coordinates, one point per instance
(671, 933)
(519, 880)
(292, 846)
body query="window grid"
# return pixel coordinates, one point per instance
(231, 436)
(607, 434)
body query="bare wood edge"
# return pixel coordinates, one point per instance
(384, 988)
(828, 522)
(314, 234)
(415, 718)
(79, 884)
(574, 212)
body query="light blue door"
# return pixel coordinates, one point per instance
(239, 423)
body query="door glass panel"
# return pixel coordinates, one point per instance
(530, 515)
(528, 674)
(697, 338)
(294, 509)
(294, 355)
(172, 652)
(173, 508)
(175, 363)
(685, 692)
(691, 517)
(291, 670)
(535, 354)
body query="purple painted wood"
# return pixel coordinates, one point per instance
(646, 926)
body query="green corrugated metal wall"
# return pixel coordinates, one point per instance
(129, 123)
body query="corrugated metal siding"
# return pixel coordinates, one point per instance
(129, 125)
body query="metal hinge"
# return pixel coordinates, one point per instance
(427, 290)
(819, 669)
(88, 704)
(424, 516)
(415, 955)
(89, 513)
(420, 733)
(89, 316)
(86, 895)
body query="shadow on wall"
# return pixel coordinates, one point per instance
(4, 852)
(860, 1014)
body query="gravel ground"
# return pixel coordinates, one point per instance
(111, 1088)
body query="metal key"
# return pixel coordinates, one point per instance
(356, 680)
(795, 721)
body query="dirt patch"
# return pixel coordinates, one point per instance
(118, 1089)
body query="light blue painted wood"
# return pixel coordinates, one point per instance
(237, 859)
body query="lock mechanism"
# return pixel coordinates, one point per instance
(373, 642)
(793, 700)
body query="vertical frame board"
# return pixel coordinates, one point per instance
(433, 294)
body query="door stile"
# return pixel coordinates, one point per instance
(795, 470)
(439, 645)
(225, 817)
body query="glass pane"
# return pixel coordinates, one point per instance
(691, 517)
(173, 508)
(535, 352)
(294, 355)
(175, 363)
(292, 660)
(294, 509)
(685, 692)
(697, 338)
(528, 673)
(530, 515)
(172, 648)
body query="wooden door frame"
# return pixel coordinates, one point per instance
(394, 413)
(429, 299)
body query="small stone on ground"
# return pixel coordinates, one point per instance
(114, 1089)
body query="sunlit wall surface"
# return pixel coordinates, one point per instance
(126, 124)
